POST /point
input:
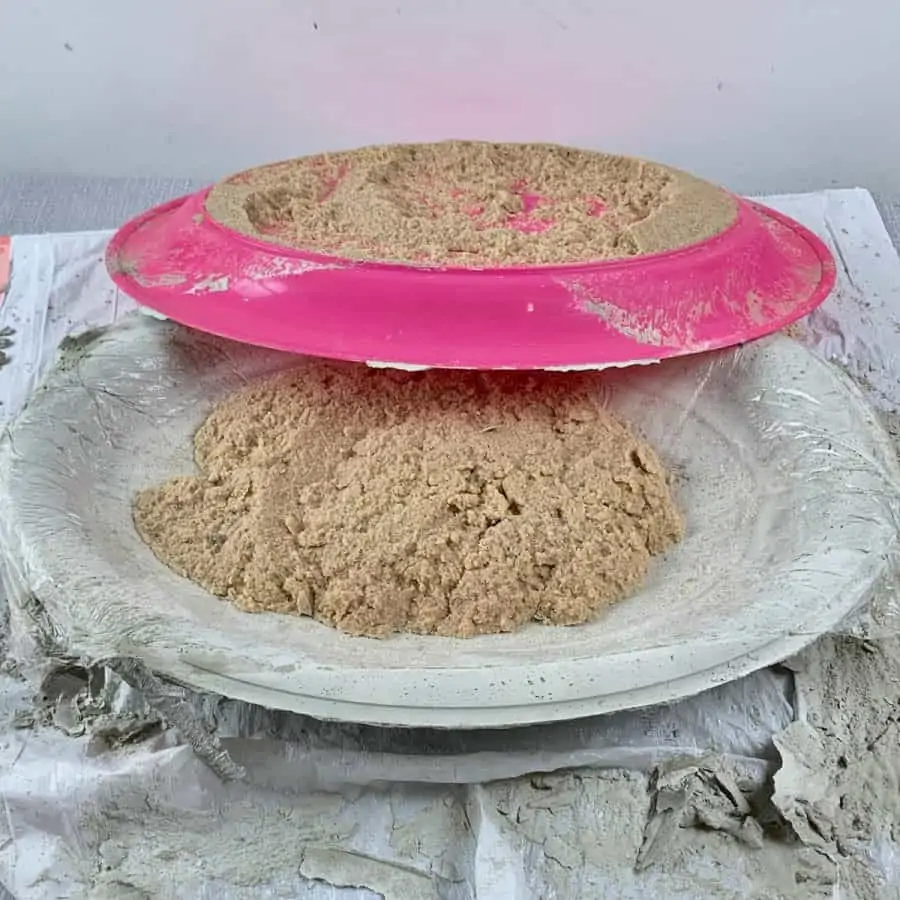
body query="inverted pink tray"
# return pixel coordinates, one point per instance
(762, 273)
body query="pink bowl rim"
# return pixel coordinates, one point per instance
(746, 208)
(757, 216)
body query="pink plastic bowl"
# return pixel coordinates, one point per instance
(762, 273)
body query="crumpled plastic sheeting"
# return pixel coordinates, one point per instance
(123, 809)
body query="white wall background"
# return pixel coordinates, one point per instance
(762, 95)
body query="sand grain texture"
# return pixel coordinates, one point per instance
(471, 203)
(437, 503)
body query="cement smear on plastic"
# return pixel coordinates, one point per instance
(695, 828)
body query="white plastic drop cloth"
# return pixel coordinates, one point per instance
(99, 799)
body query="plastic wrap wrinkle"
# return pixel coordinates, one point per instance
(571, 834)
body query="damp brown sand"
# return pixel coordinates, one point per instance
(470, 203)
(436, 503)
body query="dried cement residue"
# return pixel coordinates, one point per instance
(6, 341)
(581, 834)
(473, 203)
(353, 870)
(839, 785)
(437, 502)
(695, 829)
(703, 829)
